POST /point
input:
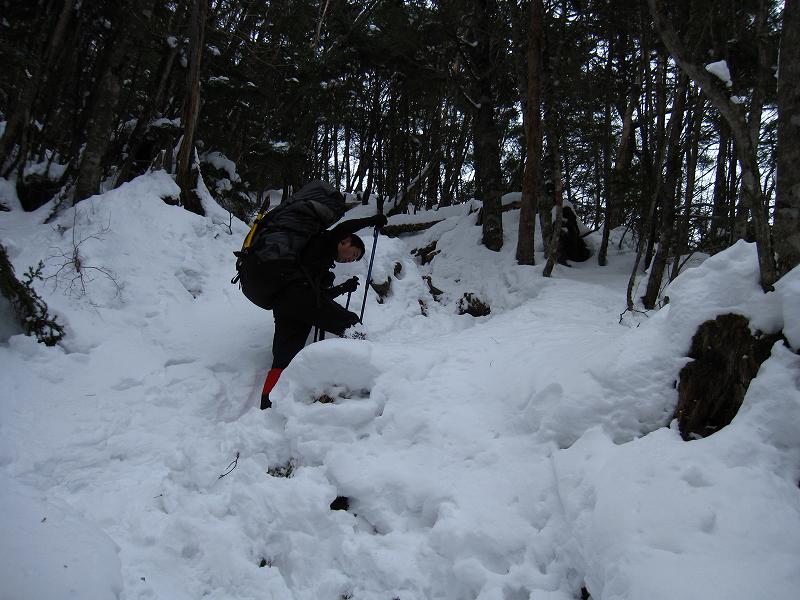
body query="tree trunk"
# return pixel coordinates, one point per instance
(533, 138)
(558, 199)
(787, 214)
(486, 137)
(104, 114)
(651, 234)
(694, 127)
(719, 213)
(614, 197)
(348, 180)
(186, 174)
(668, 194)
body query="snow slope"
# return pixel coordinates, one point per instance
(523, 454)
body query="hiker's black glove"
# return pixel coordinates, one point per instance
(350, 286)
(380, 221)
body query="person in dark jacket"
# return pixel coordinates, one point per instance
(307, 300)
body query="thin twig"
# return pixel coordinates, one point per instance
(231, 466)
(633, 310)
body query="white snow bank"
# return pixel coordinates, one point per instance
(50, 552)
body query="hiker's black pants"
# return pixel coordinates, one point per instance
(296, 311)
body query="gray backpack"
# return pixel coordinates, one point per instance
(282, 234)
(272, 247)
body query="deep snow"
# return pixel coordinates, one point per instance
(519, 455)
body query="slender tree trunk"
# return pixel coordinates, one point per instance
(348, 180)
(186, 175)
(614, 197)
(661, 145)
(533, 138)
(720, 211)
(669, 192)
(434, 155)
(558, 199)
(787, 214)
(694, 126)
(651, 178)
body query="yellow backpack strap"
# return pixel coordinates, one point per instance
(248, 240)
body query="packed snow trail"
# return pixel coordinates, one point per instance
(499, 457)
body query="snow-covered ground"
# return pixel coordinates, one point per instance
(519, 455)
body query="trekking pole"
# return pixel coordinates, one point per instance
(346, 306)
(369, 275)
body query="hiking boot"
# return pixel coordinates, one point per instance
(272, 378)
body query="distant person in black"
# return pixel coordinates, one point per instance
(307, 300)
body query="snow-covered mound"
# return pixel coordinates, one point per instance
(522, 454)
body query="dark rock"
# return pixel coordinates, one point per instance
(285, 471)
(397, 230)
(426, 253)
(470, 304)
(341, 503)
(711, 388)
(423, 308)
(382, 289)
(36, 190)
(571, 245)
(435, 291)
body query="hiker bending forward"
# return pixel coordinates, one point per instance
(307, 300)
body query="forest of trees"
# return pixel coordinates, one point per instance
(609, 105)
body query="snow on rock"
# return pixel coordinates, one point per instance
(727, 282)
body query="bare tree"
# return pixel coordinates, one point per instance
(734, 115)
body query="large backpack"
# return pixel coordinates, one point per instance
(271, 250)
